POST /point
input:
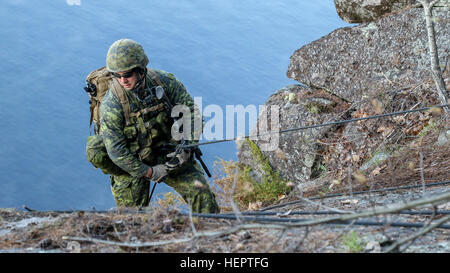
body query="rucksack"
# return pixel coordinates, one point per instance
(98, 82)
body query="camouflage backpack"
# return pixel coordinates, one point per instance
(98, 82)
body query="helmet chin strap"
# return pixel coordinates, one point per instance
(141, 81)
(139, 88)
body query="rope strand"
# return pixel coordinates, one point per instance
(319, 125)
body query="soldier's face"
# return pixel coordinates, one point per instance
(126, 79)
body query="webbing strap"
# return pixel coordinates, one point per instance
(120, 94)
(91, 109)
(154, 76)
(148, 110)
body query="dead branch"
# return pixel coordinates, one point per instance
(422, 179)
(418, 234)
(427, 224)
(122, 244)
(302, 240)
(323, 206)
(191, 222)
(209, 234)
(436, 72)
(434, 200)
(276, 241)
(235, 208)
(349, 178)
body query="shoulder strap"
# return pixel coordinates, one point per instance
(120, 94)
(155, 77)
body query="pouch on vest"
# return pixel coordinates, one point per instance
(97, 155)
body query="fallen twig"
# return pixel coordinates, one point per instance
(418, 234)
(434, 200)
(176, 241)
(323, 206)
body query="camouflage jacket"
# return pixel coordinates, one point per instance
(112, 122)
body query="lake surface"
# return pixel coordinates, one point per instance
(228, 52)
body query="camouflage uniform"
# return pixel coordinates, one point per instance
(132, 189)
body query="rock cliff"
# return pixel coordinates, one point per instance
(377, 67)
(360, 11)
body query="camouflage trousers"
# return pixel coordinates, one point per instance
(188, 181)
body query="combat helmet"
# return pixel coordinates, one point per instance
(125, 54)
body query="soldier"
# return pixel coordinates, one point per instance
(136, 138)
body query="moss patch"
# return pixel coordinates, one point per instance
(271, 186)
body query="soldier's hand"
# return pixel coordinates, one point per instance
(177, 159)
(158, 173)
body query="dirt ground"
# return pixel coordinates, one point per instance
(22, 231)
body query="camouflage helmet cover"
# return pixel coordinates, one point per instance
(125, 54)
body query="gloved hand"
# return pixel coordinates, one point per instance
(158, 173)
(177, 159)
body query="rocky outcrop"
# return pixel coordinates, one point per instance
(362, 11)
(296, 157)
(356, 62)
(376, 67)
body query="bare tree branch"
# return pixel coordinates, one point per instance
(302, 240)
(436, 72)
(434, 200)
(282, 232)
(427, 224)
(235, 208)
(422, 178)
(177, 241)
(418, 234)
(349, 178)
(191, 222)
(323, 206)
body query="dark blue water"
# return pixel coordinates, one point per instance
(227, 51)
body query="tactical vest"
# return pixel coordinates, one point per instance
(147, 126)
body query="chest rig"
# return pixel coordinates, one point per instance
(147, 119)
